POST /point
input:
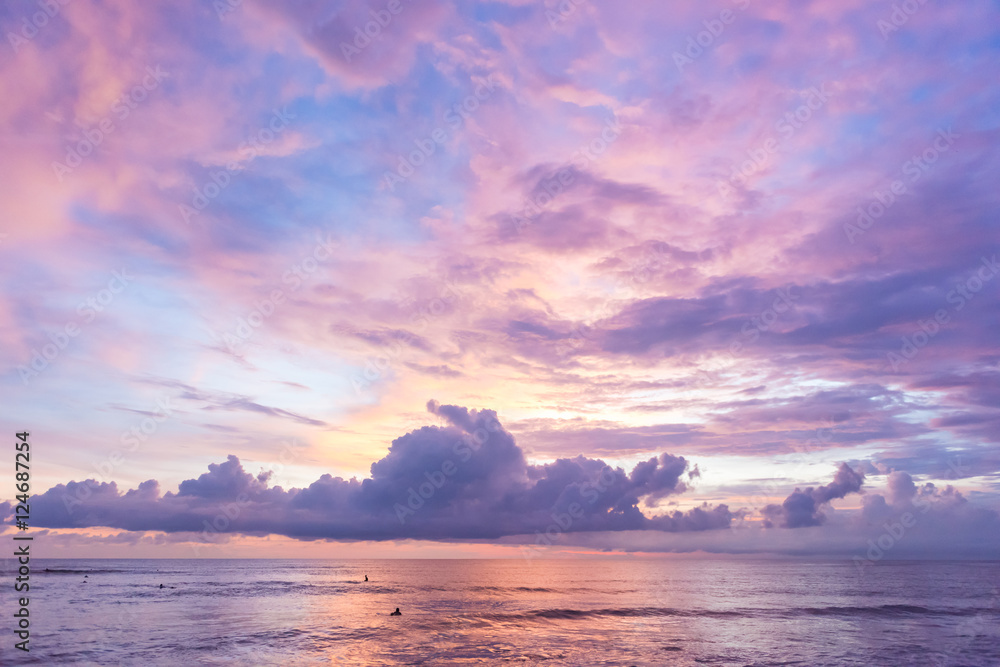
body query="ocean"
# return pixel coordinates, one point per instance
(635, 611)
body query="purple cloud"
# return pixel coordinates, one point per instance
(802, 508)
(466, 480)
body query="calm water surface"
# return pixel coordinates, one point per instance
(546, 612)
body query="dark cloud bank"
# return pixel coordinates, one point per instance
(469, 480)
(466, 480)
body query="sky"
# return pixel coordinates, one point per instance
(502, 279)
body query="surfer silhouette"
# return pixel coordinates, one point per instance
(396, 613)
(366, 577)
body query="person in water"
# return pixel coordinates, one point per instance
(161, 586)
(366, 577)
(396, 613)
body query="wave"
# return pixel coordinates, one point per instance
(618, 611)
(519, 589)
(233, 589)
(890, 610)
(60, 570)
(887, 610)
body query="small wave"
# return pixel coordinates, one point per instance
(519, 589)
(882, 610)
(617, 611)
(59, 570)
(569, 614)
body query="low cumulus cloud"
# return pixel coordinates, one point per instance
(927, 502)
(802, 508)
(467, 479)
